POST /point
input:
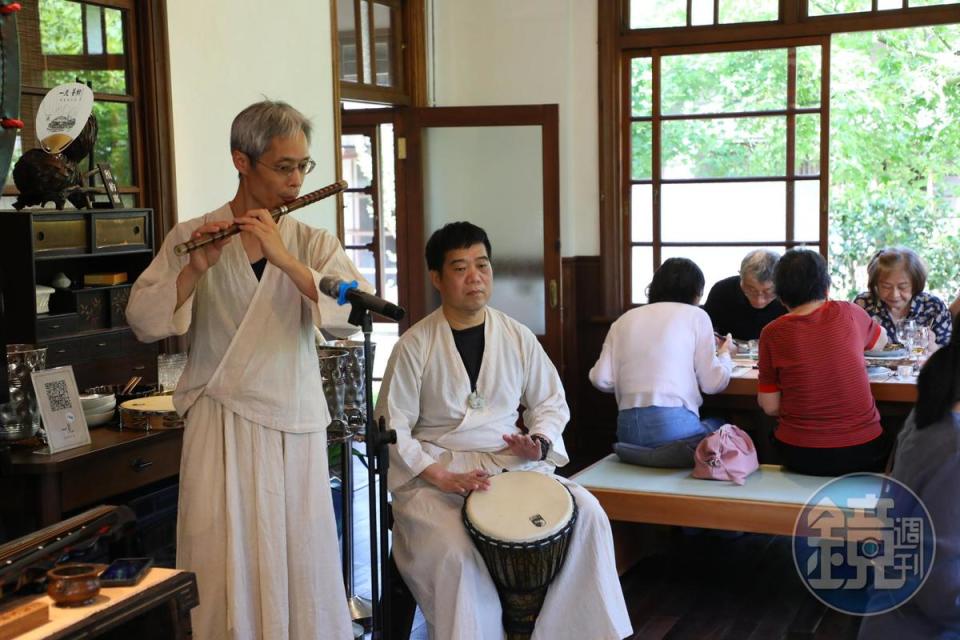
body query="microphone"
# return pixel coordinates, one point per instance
(344, 292)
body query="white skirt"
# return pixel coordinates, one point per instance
(256, 525)
(450, 581)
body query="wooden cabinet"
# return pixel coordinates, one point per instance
(85, 326)
(41, 490)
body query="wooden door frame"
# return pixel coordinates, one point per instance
(410, 247)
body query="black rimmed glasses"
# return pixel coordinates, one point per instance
(286, 169)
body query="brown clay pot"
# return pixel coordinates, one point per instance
(72, 585)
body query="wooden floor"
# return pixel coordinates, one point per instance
(701, 585)
(709, 585)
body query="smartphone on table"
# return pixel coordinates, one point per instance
(125, 572)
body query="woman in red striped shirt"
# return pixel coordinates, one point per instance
(813, 375)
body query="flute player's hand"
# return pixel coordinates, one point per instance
(206, 256)
(263, 227)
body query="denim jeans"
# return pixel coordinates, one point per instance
(655, 426)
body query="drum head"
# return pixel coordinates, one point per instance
(150, 403)
(520, 506)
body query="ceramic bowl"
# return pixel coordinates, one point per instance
(97, 419)
(98, 402)
(74, 585)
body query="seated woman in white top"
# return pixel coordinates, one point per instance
(658, 357)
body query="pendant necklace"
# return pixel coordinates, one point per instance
(476, 401)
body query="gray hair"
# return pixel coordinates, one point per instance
(759, 264)
(255, 127)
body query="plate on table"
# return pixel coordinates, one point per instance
(887, 354)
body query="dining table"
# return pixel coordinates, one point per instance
(894, 394)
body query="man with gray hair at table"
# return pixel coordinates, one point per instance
(743, 304)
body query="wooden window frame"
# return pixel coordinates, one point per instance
(408, 57)
(372, 190)
(789, 178)
(150, 119)
(618, 44)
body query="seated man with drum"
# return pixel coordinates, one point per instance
(451, 392)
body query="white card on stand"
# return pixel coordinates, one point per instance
(60, 409)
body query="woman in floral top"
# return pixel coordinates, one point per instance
(896, 278)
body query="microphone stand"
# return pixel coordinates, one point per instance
(377, 437)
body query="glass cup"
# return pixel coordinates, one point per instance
(169, 369)
(921, 345)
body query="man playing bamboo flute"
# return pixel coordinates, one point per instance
(255, 518)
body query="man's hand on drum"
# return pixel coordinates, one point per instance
(459, 483)
(522, 446)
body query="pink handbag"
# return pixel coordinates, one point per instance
(726, 454)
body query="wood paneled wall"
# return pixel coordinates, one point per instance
(593, 415)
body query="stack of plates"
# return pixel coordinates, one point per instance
(98, 408)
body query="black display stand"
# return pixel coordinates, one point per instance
(377, 438)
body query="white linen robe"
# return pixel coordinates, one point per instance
(424, 398)
(255, 516)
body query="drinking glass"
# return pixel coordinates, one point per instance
(921, 343)
(907, 333)
(169, 368)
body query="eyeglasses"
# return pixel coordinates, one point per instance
(754, 292)
(286, 170)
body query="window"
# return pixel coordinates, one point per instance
(743, 124)
(369, 205)
(736, 163)
(66, 41)
(373, 56)
(646, 14)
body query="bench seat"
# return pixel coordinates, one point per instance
(769, 501)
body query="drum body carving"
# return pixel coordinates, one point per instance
(521, 526)
(332, 362)
(354, 371)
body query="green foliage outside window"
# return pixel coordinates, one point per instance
(61, 35)
(894, 138)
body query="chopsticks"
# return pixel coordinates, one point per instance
(131, 385)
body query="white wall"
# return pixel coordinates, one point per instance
(529, 52)
(225, 55)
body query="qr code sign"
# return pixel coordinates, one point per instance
(58, 395)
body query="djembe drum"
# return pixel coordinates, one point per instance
(521, 526)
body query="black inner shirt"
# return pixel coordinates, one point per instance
(470, 345)
(258, 267)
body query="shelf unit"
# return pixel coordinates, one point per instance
(86, 326)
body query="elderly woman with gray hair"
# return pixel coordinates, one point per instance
(896, 279)
(743, 304)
